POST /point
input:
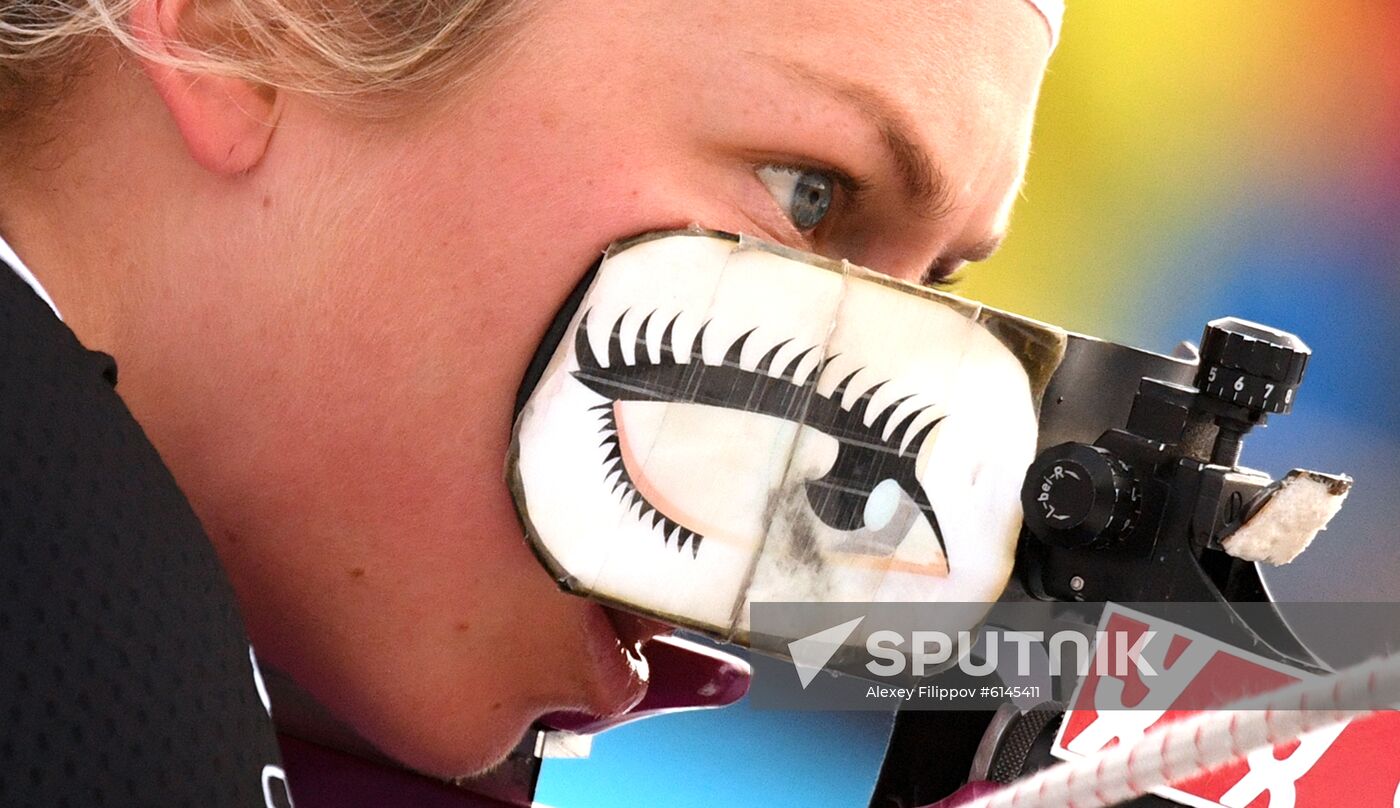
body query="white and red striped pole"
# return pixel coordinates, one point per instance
(1188, 748)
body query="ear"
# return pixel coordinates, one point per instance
(226, 122)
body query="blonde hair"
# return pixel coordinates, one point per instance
(339, 49)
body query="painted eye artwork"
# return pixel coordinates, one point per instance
(713, 421)
(868, 495)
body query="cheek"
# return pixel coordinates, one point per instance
(379, 408)
(377, 411)
(464, 285)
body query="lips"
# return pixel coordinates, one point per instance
(683, 675)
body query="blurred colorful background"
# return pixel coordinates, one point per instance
(1192, 159)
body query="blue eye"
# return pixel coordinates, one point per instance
(803, 194)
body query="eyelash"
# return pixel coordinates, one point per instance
(694, 381)
(940, 276)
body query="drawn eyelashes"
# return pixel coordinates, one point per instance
(865, 456)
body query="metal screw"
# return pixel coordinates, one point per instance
(1076, 583)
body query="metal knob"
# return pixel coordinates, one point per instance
(1076, 494)
(1250, 365)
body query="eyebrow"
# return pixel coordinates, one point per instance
(924, 183)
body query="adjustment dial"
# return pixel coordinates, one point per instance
(1250, 365)
(1076, 494)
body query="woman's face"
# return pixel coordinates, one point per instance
(335, 388)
